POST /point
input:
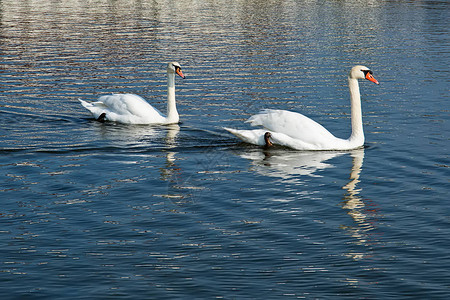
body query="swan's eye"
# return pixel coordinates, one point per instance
(367, 71)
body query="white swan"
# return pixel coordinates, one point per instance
(133, 109)
(299, 132)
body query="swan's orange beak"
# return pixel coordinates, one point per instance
(178, 70)
(370, 77)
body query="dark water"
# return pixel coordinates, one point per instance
(95, 211)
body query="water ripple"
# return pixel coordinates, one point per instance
(187, 211)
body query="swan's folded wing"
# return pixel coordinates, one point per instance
(292, 124)
(129, 109)
(124, 104)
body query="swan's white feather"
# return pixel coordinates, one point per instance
(292, 124)
(255, 137)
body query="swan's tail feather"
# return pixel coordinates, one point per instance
(96, 108)
(255, 137)
(230, 130)
(85, 103)
(89, 104)
(234, 132)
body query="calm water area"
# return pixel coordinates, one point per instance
(92, 210)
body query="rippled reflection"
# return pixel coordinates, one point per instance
(178, 182)
(289, 165)
(122, 135)
(363, 213)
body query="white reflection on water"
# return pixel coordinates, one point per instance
(363, 214)
(172, 173)
(128, 135)
(288, 165)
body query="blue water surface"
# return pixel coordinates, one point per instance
(93, 210)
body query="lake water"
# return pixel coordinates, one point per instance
(97, 211)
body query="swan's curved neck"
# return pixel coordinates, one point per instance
(357, 136)
(172, 113)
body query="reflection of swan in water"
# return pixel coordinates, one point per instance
(172, 133)
(179, 186)
(288, 165)
(357, 208)
(139, 135)
(351, 199)
(170, 142)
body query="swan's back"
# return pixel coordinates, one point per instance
(125, 108)
(125, 104)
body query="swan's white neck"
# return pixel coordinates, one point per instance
(172, 113)
(357, 136)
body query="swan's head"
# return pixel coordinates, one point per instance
(175, 67)
(267, 141)
(361, 72)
